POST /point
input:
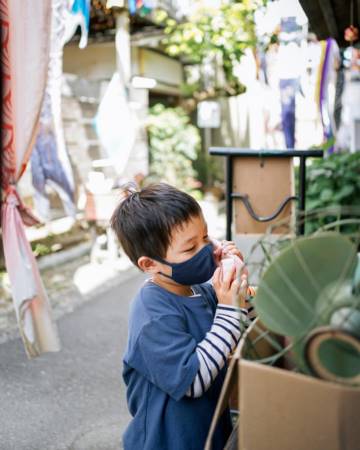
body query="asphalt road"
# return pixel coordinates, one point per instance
(74, 399)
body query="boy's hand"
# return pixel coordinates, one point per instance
(227, 248)
(230, 290)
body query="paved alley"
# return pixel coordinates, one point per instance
(75, 399)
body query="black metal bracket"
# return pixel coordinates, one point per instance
(250, 210)
(231, 152)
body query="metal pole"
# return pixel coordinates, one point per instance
(122, 46)
(229, 200)
(302, 191)
(207, 145)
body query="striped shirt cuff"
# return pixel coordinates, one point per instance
(218, 344)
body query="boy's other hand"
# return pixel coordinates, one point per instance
(226, 247)
(229, 248)
(228, 289)
(223, 248)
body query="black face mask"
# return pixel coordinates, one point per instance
(196, 270)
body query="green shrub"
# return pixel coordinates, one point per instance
(174, 146)
(217, 34)
(332, 182)
(40, 249)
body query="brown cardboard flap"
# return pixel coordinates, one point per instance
(282, 410)
(230, 383)
(231, 380)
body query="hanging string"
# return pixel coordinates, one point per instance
(352, 21)
(351, 33)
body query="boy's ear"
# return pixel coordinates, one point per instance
(148, 265)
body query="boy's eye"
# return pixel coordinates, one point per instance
(190, 249)
(206, 238)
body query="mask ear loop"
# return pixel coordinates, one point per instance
(163, 261)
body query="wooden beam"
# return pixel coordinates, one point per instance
(328, 12)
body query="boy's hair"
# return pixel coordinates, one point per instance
(145, 220)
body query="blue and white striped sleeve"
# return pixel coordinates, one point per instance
(215, 348)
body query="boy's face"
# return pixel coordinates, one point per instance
(186, 240)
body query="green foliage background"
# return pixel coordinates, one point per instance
(220, 33)
(333, 181)
(174, 146)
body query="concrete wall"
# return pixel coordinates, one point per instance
(96, 62)
(166, 71)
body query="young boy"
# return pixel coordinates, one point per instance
(181, 328)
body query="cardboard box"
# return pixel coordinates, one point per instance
(283, 410)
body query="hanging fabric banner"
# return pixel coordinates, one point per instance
(330, 58)
(78, 16)
(29, 52)
(116, 124)
(25, 57)
(49, 159)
